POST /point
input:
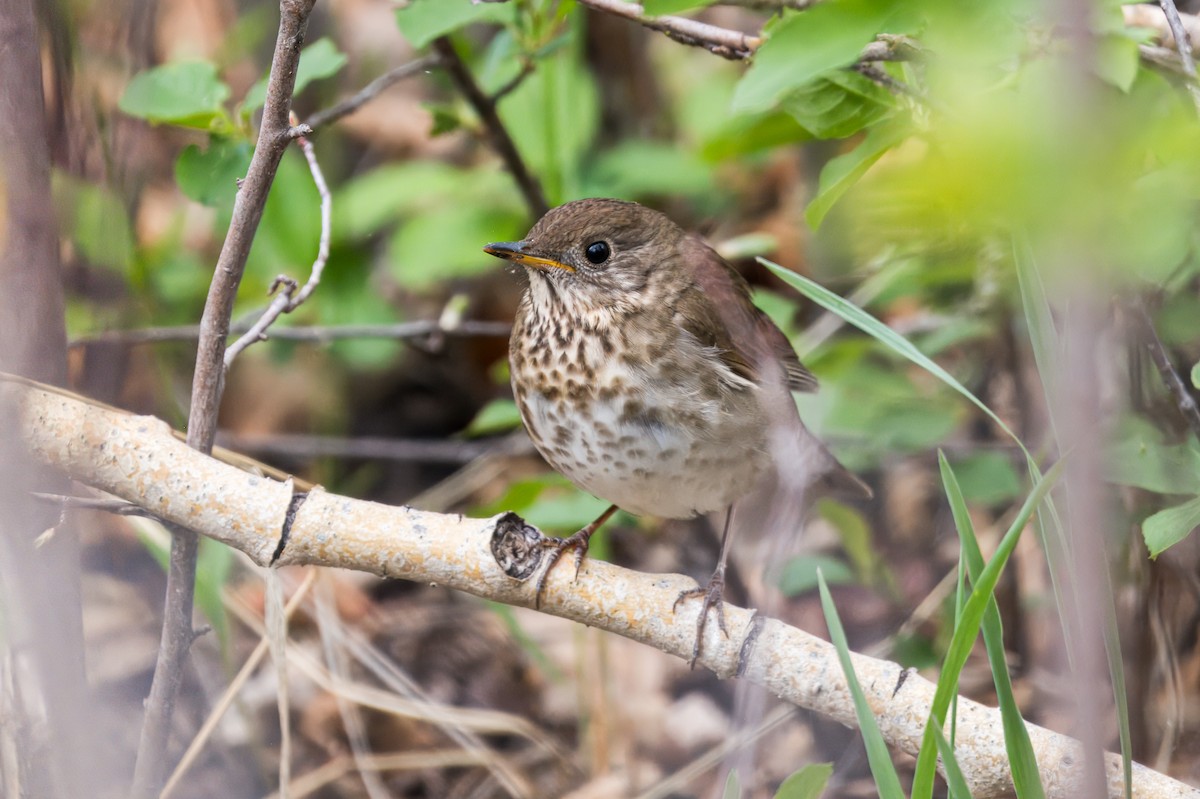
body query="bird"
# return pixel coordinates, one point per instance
(645, 375)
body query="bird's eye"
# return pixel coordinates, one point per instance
(597, 252)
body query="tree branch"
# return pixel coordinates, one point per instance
(207, 385)
(140, 460)
(485, 107)
(369, 92)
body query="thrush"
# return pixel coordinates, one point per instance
(645, 375)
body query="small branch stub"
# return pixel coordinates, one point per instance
(517, 546)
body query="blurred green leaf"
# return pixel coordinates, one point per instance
(799, 575)
(742, 134)
(446, 242)
(844, 171)
(185, 93)
(988, 478)
(1196, 375)
(422, 21)
(805, 45)
(733, 786)
(498, 416)
(838, 105)
(657, 8)
(1117, 60)
(1137, 456)
(1168, 527)
(640, 168)
(319, 60)
(855, 536)
(807, 783)
(97, 221)
(211, 176)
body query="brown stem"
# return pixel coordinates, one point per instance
(207, 384)
(485, 107)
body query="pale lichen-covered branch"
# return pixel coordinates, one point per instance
(139, 459)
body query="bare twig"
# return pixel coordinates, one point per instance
(1184, 400)
(527, 69)
(369, 92)
(485, 107)
(726, 43)
(207, 384)
(1183, 43)
(315, 333)
(287, 299)
(118, 507)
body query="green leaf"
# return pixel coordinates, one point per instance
(422, 21)
(640, 168)
(844, 171)
(186, 93)
(445, 242)
(855, 536)
(733, 786)
(1137, 456)
(828, 36)
(1117, 60)
(838, 105)
(886, 780)
(319, 60)
(1170, 526)
(1196, 375)
(800, 573)
(210, 176)
(988, 478)
(498, 416)
(657, 8)
(807, 783)
(97, 221)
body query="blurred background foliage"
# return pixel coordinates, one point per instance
(996, 164)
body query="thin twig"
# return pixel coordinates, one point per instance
(311, 333)
(726, 43)
(207, 385)
(231, 692)
(1184, 400)
(284, 301)
(118, 507)
(485, 107)
(527, 69)
(1183, 43)
(370, 92)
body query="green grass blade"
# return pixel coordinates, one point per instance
(968, 630)
(954, 776)
(1026, 777)
(880, 760)
(881, 332)
(807, 783)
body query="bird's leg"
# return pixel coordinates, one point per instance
(578, 542)
(712, 593)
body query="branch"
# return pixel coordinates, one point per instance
(369, 92)
(138, 459)
(207, 385)
(288, 300)
(1178, 390)
(313, 333)
(485, 107)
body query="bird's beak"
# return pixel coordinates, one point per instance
(517, 252)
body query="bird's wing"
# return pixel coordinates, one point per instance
(720, 314)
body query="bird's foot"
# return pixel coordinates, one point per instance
(713, 595)
(558, 547)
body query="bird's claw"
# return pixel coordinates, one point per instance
(558, 546)
(713, 595)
